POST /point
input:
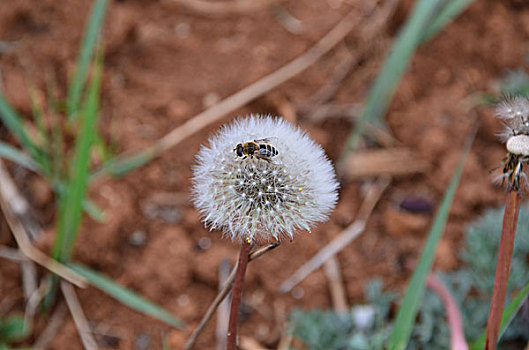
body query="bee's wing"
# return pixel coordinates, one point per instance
(267, 139)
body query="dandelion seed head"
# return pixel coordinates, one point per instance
(512, 108)
(263, 200)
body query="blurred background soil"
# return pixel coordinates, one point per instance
(164, 63)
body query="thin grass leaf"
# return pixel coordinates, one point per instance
(408, 308)
(11, 153)
(93, 28)
(424, 22)
(126, 296)
(14, 124)
(401, 52)
(70, 206)
(38, 113)
(508, 315)
(447, 14)
(120, 166)
(89, 207)
(93, 210)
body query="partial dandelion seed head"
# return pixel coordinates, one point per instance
(513, 107)
(259, 200)
(514, 111)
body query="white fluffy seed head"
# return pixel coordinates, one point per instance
(512, 108)
(514, 111)
(256, 200)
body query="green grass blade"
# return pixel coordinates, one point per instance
(408, 308)
(424, 22)
(11, 153)
(508, 315)
(38, 113)
(70, 206)
(14, 124)
(89, 207)
(396, 62)
(93, 210)
(450, 11)
(75, 88)
(119, 166)
(126, 296)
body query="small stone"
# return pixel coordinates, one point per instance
(138, 238)
(363, 316)
(182, 30)
(298, 292)
(169, 215)
(204, 243)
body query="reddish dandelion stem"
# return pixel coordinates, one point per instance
(236, 295)
(503, 267)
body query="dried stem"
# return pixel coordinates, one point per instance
(236, 295)
(190, 344)
(350, 22)
(503, 267)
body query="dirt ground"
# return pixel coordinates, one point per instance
(165, 63)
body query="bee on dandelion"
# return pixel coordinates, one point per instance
(261, 178)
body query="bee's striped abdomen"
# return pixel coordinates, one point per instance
(267, 150)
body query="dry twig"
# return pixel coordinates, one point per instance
(334, 276)
(9, 197)
(12, 254)
(351, 21)
(224, 307)
(368, 35)
(342, 240)
(33, 303)
(223, 8)
(396, 161)
(53, 326)
(78, 316)
(190, 344)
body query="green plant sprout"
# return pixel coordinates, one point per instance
(425, 21)
(13, 329)
(67, 169)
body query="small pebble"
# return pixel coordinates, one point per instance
(138, 238)
(182, 300)
(204, 243)
(182, 30)
(298, 292)
(363, 316)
